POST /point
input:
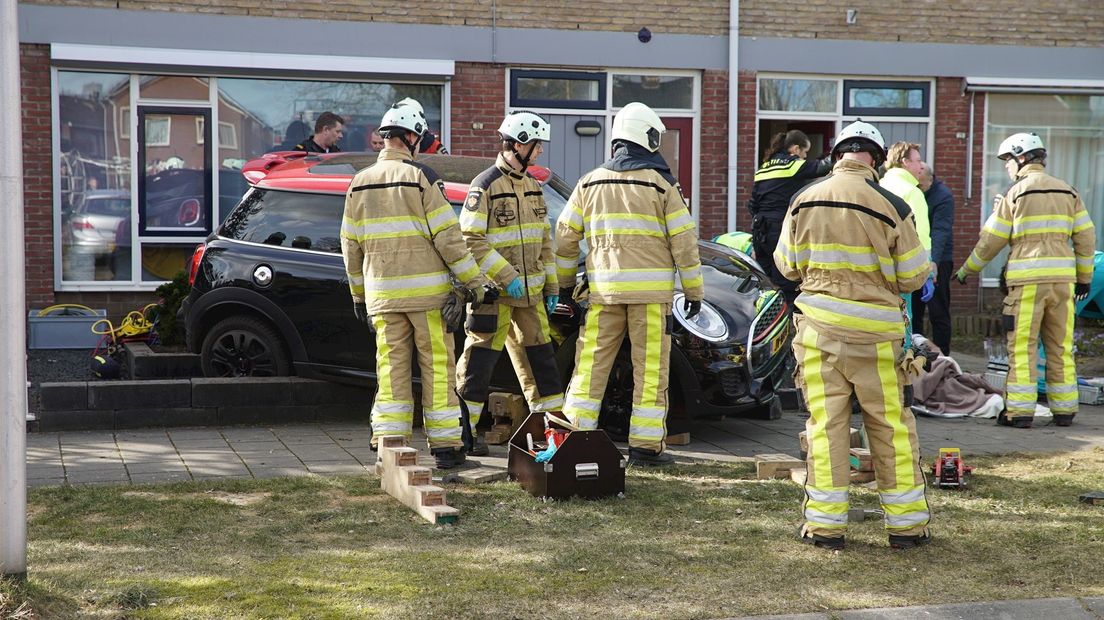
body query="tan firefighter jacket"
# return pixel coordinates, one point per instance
(400, 238)
(853, 246)
(1037, 217)
(505, 225)
(638, 232)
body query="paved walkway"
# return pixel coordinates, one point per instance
(1064, 608)
(179, 454)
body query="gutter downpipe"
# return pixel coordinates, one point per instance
(13, 309)
(733, 106)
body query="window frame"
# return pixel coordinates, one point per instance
(906, 85)
(517, 101)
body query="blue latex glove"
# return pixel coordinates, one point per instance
(546, 455)
(515, 289)
(550, 303)
(927, 290)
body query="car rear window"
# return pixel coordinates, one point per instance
(287, 219)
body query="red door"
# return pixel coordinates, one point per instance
(677, 148)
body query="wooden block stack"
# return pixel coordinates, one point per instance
(405, 480)
(803, 440)
(507, 411)
(769, 466)
(862, 467)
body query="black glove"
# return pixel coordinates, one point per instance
(452, 313)
(491, 293)
(1080, 291)
(360, 311)
(486, 294)
(691, 308)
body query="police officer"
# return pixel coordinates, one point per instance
(639, 232)
(1037, 217)
(785, 170)
(505, 224)
(328, 131)
(400, 239)
(854, 248)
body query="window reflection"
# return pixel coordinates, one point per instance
(657, 91)
(791, 95)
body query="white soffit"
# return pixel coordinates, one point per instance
(1034, 85)
(107, 54)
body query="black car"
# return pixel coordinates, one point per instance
(270, 297)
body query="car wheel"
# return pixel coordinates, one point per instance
(243, 346)
(768, 411)
(617, 403)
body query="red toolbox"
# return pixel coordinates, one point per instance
(587, 464)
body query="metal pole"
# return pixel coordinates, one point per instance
(13, 375)
(733, 108)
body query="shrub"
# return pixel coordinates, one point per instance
(171, 294)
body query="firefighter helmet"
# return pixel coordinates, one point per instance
(1019, 144)
(860, 136)
(404, 116)
(639, 124)
(524, 127)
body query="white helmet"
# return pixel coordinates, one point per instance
(524, 127)
(637, 123)
(406, 115)
(1020, 144)
(852, 138)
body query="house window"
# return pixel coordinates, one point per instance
(656, 91)
(228, 134)
(873, 98)
(158, 129)
(558, 89)
(798, 95)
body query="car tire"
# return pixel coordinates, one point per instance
(768, 411)
(244, 346)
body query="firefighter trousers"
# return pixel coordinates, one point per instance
(399, 337)
(649, 330)
(524, 333)
(1033, 311)
(829, 372)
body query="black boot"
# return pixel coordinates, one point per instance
(478, 446)
(649, 458)
(909, 542)
(831, 543)
(447, 458)
(1014, 422)
(1063, 419)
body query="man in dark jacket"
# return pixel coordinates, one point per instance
(941, 216)
(328, 130)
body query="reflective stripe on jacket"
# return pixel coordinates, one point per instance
(901, 182)
(853, 246)
(638, 231)
(1037, 218)
(778, 179)
(505, 225)
(400, 237)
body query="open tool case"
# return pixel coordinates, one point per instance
(587, 464)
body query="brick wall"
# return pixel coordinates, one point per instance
(747, 157)
(713, 183)
(1062, 23)
(478, 97)
(37, 174)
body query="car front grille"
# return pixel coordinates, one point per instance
(768, 317)
(732, 383)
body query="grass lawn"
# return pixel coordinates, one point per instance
(697, 541)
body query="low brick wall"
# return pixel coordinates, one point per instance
(103, 405)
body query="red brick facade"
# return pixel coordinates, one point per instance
(37, 174)
(478, 98)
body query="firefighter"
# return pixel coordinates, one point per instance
(505, 225)
(400, 239)
(784, 171)
(1037, 217)
(853, 247)
(639, 233)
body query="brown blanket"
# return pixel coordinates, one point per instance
(944, 389)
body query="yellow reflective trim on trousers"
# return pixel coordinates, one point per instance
(440, 360)
(814, 388)
(891, 399)
(383, 362)
(542, 318)
(652, 359)
(502, 327)
(1023, 333)
(590, 344)
(1069, 372)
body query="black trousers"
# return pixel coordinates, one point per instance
(764, 239)
(940, 307)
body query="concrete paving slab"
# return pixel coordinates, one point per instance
(219, 469)
(312, 452)
(260, 447)
(1065, 608)
(117, 475)
(160, 477)
(146, 468)
(53, 470)
(279, 472)
(329, 469)
(194, 434)
(44, 482)
(247, 434)
(1094, 605)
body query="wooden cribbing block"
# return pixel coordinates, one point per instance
(481, 475)
(405, 480)
(498, 434)
(387, 441)
(860, 459)
(681, 439)
(508, 411)
(799, 475)
(769, 466)
(803, 440)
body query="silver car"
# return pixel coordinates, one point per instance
(94, 224)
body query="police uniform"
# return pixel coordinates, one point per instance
(400, 240)
(855, 250)
(1038, 217)
(310, 146)
(505, 225)
(639, 233)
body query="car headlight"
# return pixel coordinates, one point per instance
(707, 324)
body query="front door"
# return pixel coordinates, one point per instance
(677, 147)
(578, 145)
